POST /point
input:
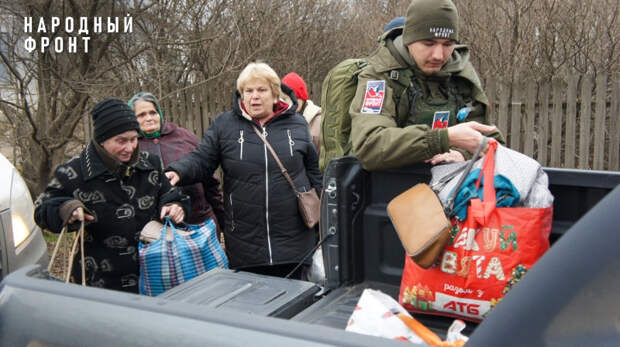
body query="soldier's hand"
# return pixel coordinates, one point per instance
(79, 215)
(175, 211)
(468, 135)
(448, 157)
(173, 177)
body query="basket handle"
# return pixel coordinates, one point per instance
(79, 237)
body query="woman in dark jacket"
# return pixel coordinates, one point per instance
(264, 231)
(171, 142)
(118, 189)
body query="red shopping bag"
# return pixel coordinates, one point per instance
(488, 253)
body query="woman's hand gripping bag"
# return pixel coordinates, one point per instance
(486, 255)
(167, 262)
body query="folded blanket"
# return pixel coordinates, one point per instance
(506, 193)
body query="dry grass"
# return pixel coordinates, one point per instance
(61, 263)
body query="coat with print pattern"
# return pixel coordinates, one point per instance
(121, 207)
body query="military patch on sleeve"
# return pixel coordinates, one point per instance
(373, 98)
(440, 119)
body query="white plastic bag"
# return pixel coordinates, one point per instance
(316, 272)
(376, 315)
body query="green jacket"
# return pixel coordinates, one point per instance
(394, 135)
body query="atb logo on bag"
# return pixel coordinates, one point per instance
(460, 306)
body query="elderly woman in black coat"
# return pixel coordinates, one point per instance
(117, 190)
(264, 231)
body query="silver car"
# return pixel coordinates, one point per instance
(21, 240)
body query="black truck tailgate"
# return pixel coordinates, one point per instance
(245, 292)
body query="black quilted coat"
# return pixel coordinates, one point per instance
(263, 225)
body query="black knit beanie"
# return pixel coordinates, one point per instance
(112, 117)
(431, 19)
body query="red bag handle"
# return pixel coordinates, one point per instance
(488, 191)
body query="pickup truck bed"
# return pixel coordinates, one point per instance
(334, 309)
(361, 250)
(365, 252)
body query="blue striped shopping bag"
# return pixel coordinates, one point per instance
(165, 264)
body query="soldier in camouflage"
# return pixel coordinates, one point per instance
(419, 99)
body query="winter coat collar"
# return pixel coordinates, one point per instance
(168, 129)
(94, 164)
(455, 65)
(458, 65)
(286, 105)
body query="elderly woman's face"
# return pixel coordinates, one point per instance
(258, 99)
(148, 117)
(122, 146)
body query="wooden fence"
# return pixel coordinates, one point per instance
(195, 107)
(568, 123)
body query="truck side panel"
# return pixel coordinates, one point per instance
(365, 249)
(355, 212)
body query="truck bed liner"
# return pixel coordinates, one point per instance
(336, 307)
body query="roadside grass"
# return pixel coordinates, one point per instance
(50, 237)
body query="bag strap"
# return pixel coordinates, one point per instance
(290, 181)
(79, 237)
(58, 240)
(466, 170)
(275, 156)
(310, 252)
(164, 232)
(442, 182)
(488, 171)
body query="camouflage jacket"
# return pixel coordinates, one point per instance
(387, 130)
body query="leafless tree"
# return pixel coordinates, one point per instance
(178, 46)
(520, 39)
(51, 89)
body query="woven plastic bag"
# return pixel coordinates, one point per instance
(165, 264)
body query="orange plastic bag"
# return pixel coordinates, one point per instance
(488, 253)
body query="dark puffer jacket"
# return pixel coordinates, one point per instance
(263, 225)
(121, 204)
(173, 143)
